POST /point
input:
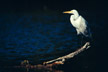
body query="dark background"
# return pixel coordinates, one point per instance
(34, 5)
(97, 7)
(97, 55)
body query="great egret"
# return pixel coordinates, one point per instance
(79, 23)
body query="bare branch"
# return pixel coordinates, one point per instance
(62, 59)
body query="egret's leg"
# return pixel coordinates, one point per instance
(81, 40)
(78, 41)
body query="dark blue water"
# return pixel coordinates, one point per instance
(34, 37)
(38, 37)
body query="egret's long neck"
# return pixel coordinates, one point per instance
(76, 15)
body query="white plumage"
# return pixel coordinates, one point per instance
(79, 23)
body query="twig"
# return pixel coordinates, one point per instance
(62, 59)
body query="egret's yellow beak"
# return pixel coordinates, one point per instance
(67, 12)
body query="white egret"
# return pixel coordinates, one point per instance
(79, 23)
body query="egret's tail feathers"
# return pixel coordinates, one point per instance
(78, 32)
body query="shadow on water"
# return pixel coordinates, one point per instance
(41, 37)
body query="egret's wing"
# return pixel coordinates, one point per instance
(85, 27)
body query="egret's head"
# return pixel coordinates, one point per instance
(71, 12)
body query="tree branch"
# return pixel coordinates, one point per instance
(59, 61)
(62, 59)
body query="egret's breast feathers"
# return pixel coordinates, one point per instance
(79, 24)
